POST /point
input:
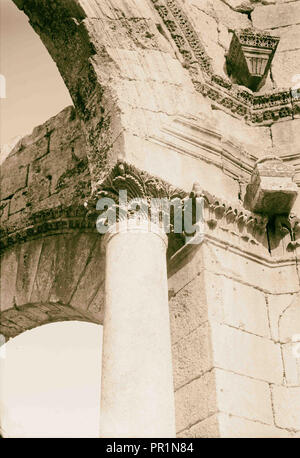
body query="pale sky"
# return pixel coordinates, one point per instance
(50, 381)
(35, 90)
(50, 376)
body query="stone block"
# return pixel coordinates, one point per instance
(195, 401)
(9, 267)
(208, 428)
(192, 356)
(286, 401)
(243, 396)
(29, 255)
(285, 65)
(289, 322)
(289, 38)
(188, 309)
(246, 354)
(286, 136)
(244, 307)
(273, 16)
(13, 176)
(18, 202)
(291, 362)
(276, 306)
(236, 427)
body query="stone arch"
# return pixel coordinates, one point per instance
(29, 316)
(120, 69)
(55, 278)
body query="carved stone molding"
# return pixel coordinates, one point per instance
(236, 100)
(222, 220)
(231, 222)
(45, 222)
(249, 57)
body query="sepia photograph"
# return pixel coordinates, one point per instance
(150, 222)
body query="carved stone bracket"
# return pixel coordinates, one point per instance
(236, 100)
(271, 190)
(249, 57)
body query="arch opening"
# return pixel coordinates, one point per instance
(51, 381)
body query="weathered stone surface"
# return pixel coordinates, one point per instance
(286, 136)
(232, 426)
(9, 265)
(291, 361)
(246, 354)
(289, 320)
(14, 177)
(288, 60)
(276, 307)
(243, 396)
(208, 428)
(283, 399)
(240, 306)
(188, 309)
(273, 16)
(192, 356)
(271, 190)
(195, 401)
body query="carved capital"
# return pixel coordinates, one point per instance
(128, 193)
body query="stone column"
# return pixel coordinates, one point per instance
(137, 398)
(137, 394)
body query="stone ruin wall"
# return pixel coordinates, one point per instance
(233, 305)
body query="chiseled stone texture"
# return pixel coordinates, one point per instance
(195, 401)
(46, 169)
(51, 272)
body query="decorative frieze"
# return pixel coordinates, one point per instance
(146, 196)
(46, 222)
(238, 101)
(249, 57)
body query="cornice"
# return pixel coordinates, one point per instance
(239, 101)
(230, 223)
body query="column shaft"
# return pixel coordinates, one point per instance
(137, 397)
